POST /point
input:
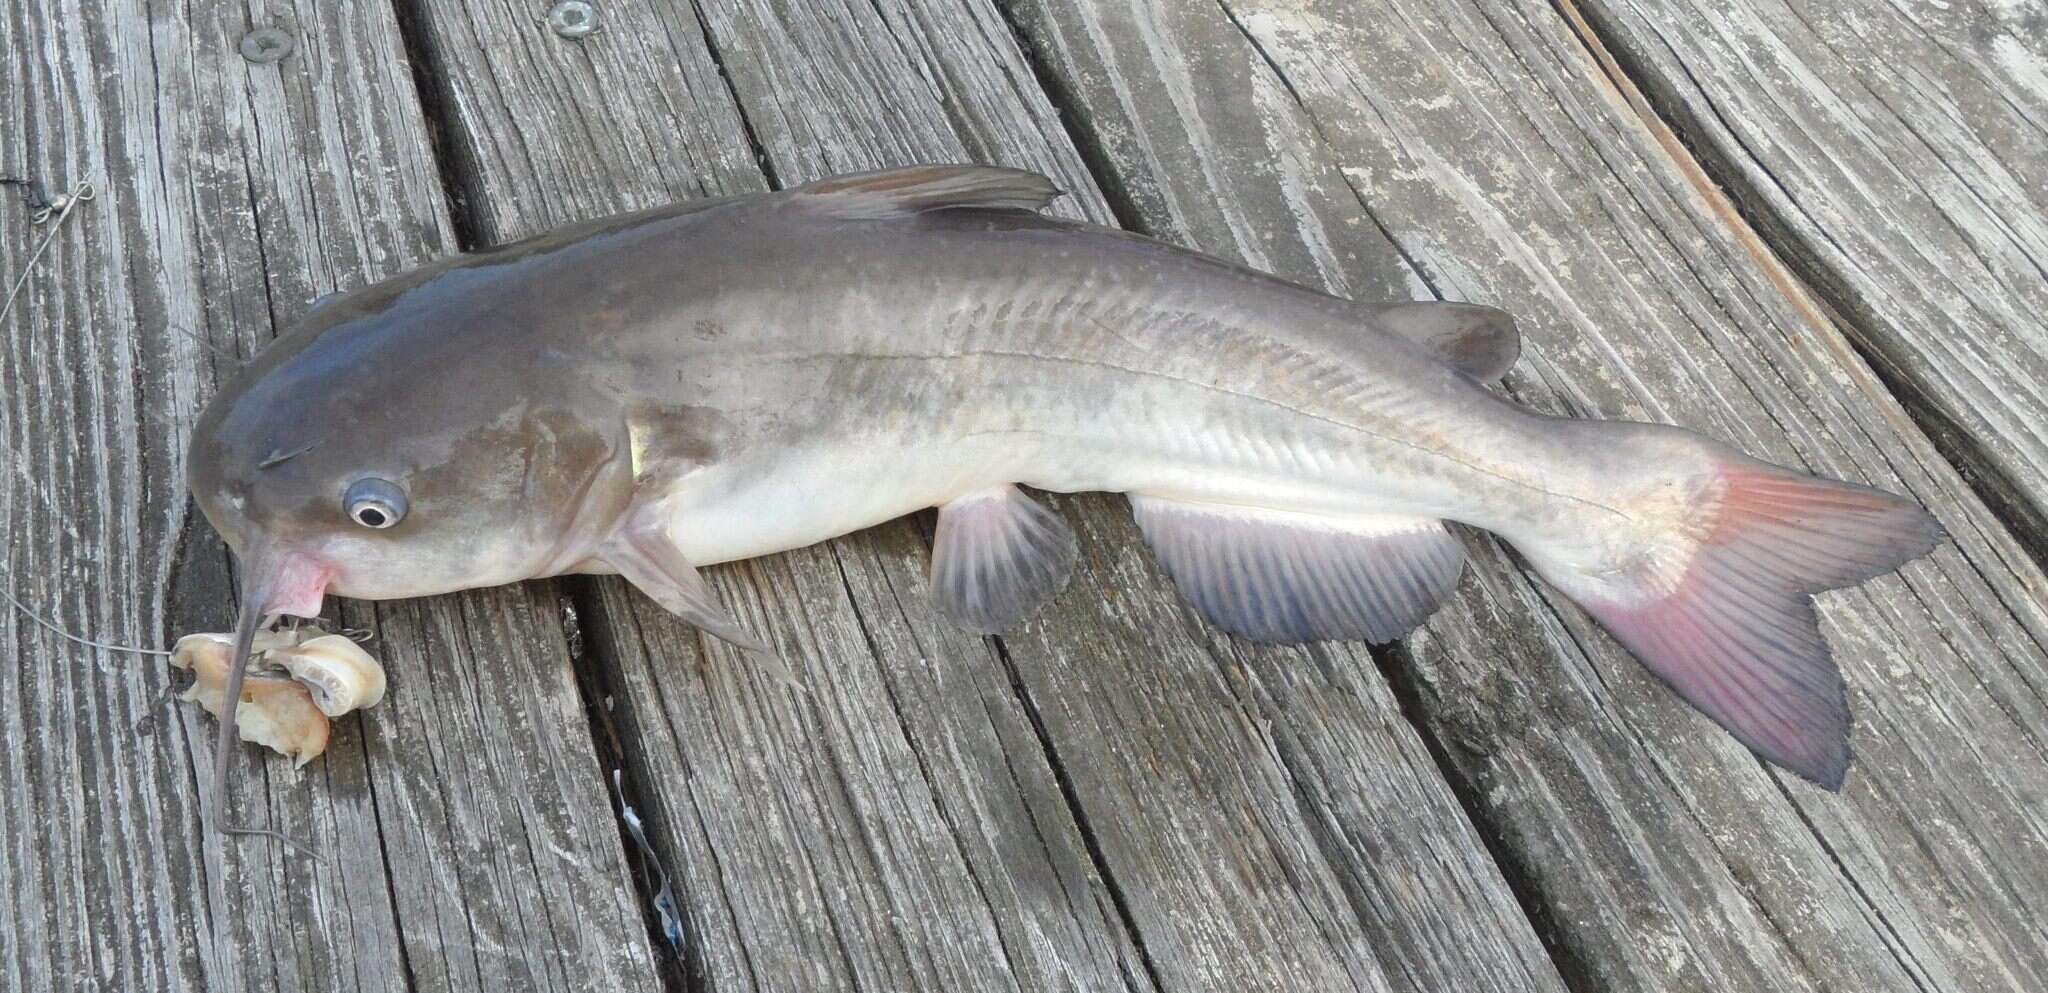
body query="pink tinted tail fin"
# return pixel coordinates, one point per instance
(1732, 627)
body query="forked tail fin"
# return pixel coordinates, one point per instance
(1721, 607)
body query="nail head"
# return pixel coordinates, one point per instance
(572, 18)
(266, 45)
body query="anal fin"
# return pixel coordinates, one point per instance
(998, 557)
(1275, 576)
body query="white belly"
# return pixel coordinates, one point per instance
(801, 497)
(805, 496)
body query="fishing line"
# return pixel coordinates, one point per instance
(56, 211)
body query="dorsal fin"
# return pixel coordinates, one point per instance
(916, 189)
(1481, 342)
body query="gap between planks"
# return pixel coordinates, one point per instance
(575, 595)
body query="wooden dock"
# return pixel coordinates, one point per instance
(1817, 229)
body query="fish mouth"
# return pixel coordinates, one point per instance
(292, 583)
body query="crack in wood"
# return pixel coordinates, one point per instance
(596, 682)
(1522, 880)
(762, 159)
(1072, 797)
(453, 162)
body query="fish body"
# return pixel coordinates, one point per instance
(657, 392)
(894, 362)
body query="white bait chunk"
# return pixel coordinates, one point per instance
(341, 676)
(296, 681)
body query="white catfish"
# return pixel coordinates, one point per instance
(657, 392)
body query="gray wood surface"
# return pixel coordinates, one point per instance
(1484, 140)
(1114, 797)
(464, 825)
(1103, 801)
(1898, 155)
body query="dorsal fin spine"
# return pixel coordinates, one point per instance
(916, 189)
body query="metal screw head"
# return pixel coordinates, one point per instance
(572, 18)
(266, 45)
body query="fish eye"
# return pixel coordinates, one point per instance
(374, 503)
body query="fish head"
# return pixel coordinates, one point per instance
(392, 445)
(359, 463)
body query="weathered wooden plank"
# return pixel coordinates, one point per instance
(902, 825)
(1898, 155)
(1488, 145)
(233, 193)
(895, 828)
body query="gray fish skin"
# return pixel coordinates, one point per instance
(733, 378)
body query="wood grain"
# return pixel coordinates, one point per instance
(1101, 802)
(1488, 146)
(1114, 797)
(1897, 153)
(231, 195)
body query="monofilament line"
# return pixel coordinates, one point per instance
(63, 206)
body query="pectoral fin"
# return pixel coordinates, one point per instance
(998, 557)
(650, 561)
(1281, 577)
